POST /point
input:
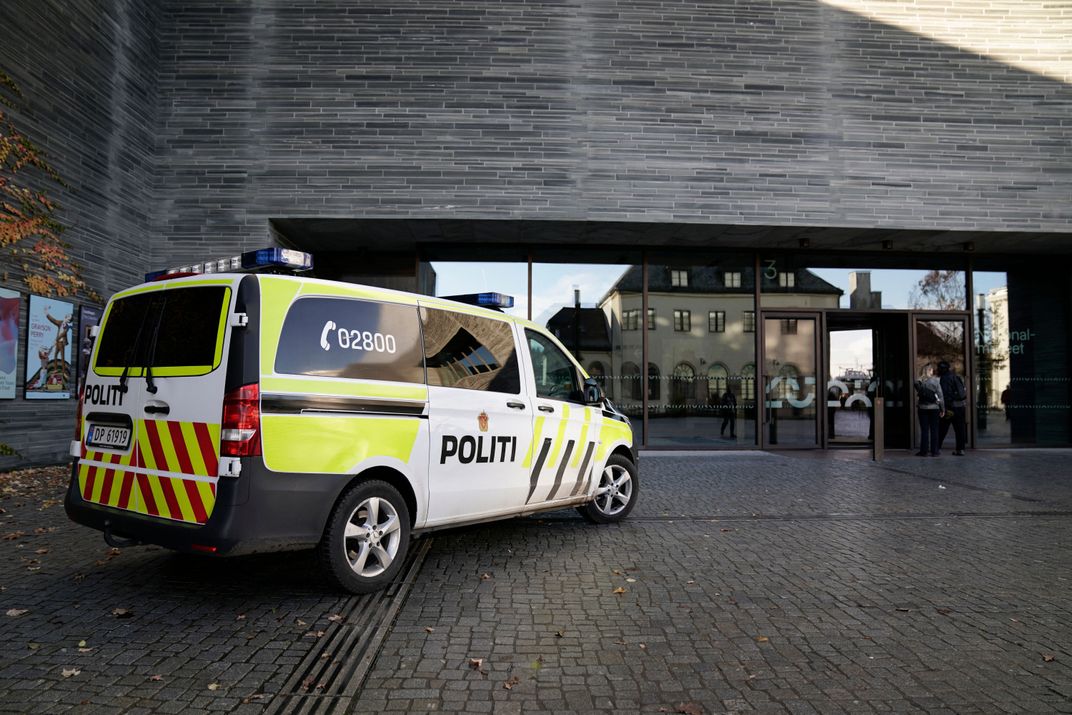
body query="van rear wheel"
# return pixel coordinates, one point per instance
(366, 538)
(616, 492)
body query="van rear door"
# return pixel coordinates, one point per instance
(153, 400)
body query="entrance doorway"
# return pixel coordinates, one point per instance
(824, 372)
(867, 357)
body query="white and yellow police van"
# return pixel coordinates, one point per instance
(231, 413)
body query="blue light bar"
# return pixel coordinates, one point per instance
(280, 257)
(485, 300)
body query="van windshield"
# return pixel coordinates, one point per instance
(178, 328)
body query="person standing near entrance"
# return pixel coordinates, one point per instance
(956, 401)
(930, 406)
(729, 413)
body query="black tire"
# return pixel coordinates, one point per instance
(615, 495)
(372, 555)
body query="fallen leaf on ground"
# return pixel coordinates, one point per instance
(630, 580)
(255, 698)
(68, 672)
(156, 678)
(429, 629)
(240, 617)
(41, 551)
(560, 634)
(1048, 658)
(85, 650)
(724, 530)
(213, 686)
(81, 644)
(689, 709)
(300, 622)
(16, 612)
(509, 684)
(762, 639)
(476, 663)
(619, 591)
(314, 634)
(335, 618)
(485, 576)
(643, 646)
(122, 613)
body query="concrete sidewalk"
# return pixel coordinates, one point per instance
(806, 582)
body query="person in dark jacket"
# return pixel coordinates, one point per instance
(930, 406)
(956, 403)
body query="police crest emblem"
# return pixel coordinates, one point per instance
(482, 421)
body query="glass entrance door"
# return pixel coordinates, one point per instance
(790, 360)
(936, 339)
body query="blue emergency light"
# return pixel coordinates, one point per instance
(485, 300)
(261, 259)
(277, 258)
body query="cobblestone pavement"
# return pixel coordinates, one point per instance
(744, 582)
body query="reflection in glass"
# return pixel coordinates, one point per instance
(785, 284)
(790, 410)
(697, 352)
(851, 388)
(595, 313)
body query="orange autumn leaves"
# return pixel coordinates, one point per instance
(29, 230)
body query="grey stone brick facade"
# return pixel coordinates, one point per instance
(183, 128)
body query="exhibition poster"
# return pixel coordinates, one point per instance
(48, 349)
(9, 341)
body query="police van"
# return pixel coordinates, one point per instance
(230, 413)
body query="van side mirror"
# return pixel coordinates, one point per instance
(593, 393)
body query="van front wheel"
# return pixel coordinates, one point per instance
(616, 493)
(366, 538)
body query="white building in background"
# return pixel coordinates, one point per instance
(701, 325)
(997, 306)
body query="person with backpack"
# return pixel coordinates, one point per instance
(956, 400)
(930, 406)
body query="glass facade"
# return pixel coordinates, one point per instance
(741, 351)
(1020, 347)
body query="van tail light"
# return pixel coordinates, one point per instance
(240, 431)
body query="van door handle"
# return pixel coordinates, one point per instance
(516, 405)
(156, 407)
(546, 408)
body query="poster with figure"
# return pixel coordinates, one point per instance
(49, 327)
(9, 341)
(88, 316)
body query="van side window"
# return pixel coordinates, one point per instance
(470, 352)
(556, 377)
(347, 337)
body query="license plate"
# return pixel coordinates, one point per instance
(108, 436)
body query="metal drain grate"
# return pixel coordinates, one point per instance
(330, 684)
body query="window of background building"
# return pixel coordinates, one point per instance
(631, 319)
(651, 318)
(679, 278)
(682, 321)
(789, 326)
(749, 321)
(732, 279)
(716, 321)
(787, 280)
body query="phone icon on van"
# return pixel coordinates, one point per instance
(328, 327)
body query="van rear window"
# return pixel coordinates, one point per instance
(178, 331)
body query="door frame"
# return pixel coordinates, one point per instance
(762, 398)
(964, 317)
